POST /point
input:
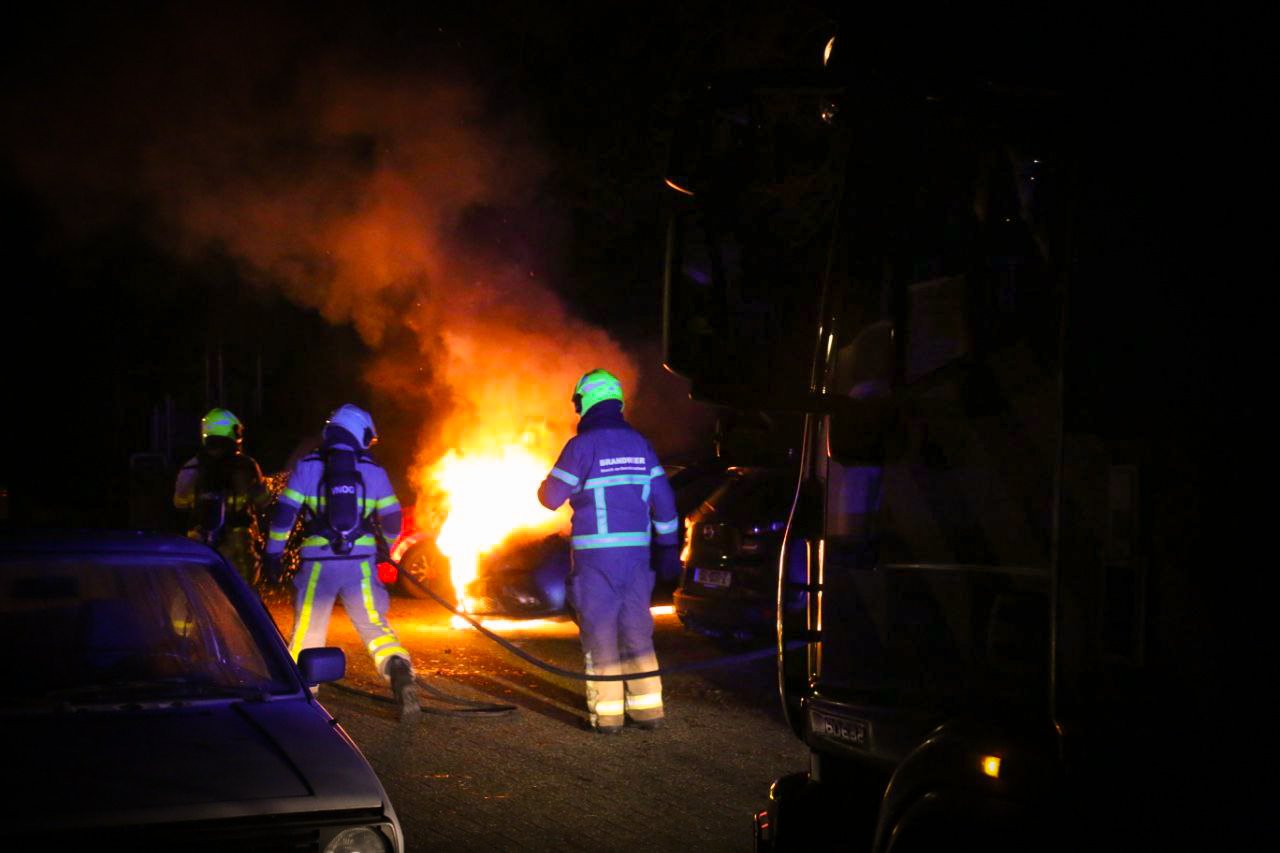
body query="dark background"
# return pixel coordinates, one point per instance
(117, 339)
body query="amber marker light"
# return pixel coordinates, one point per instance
(991, 766)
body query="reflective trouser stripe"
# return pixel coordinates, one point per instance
(386, 644)
(382, 655)
(644, 695)
(304, 612)
(604, 698)
(378, 642)
(643, 701)
(366, 592)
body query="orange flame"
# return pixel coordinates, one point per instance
(510, 379)
(489, 496)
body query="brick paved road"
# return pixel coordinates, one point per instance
(534, 780)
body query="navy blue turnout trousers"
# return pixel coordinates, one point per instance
(610, 591)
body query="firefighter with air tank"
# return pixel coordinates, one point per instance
(341, 492)
(222, 488)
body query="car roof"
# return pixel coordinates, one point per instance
(104, 541)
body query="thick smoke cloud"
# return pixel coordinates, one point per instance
(347, 185)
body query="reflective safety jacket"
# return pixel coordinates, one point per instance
(304, 494)
(611, 477)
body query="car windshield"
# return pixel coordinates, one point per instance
(693, 486)
(117, 628)
(755, 496)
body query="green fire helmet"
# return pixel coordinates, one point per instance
(220, 423)
(596, 386)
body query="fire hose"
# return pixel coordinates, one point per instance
(474, 708)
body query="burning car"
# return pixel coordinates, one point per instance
(524, 576)
(150, 704)
(728, 580)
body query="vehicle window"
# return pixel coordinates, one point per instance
(690, 491)
(113, 629)
(756, 495)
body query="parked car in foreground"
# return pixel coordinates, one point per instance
(728, 577)
(525, 577)
(149, 703)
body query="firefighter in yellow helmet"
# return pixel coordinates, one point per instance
(222, 488)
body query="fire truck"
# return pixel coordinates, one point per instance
(1011, 637)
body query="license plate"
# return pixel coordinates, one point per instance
(712, 577)
(847, 729)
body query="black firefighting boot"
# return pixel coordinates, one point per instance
(404, 689)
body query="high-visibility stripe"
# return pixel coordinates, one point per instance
(279, 536)
(644, 701)
(366, 590)
(564, 476)
(377, 642)
(616, 480)
(383, 503)
(389, 652)
(320, 541)
(610, 540)
(654, 472)
(294, 497)
(304, 612)
(666, 526)
(602, 516)
(609, 708)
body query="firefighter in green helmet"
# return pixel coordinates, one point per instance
(223, 490)
(622, 503)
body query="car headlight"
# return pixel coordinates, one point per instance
(358, 839)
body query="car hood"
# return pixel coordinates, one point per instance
(209, 761)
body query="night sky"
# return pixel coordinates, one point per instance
(171, 175)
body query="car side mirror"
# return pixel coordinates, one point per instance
(321, 665)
